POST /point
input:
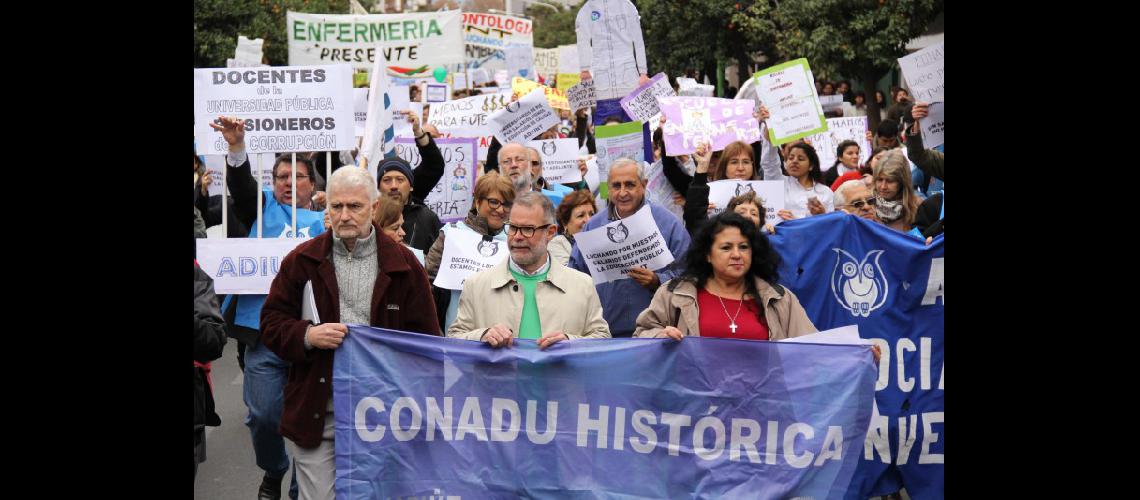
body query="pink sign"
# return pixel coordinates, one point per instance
(690, 120)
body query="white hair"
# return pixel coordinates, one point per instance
(623, 161)
(504, 148)
(840, 196)
(349, 176)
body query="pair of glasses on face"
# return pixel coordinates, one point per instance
(495, 204)
(858, 204)
(285, 178)
(527, 231)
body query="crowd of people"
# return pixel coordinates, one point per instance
(375, 250)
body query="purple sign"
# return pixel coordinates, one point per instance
(451, 197)
(689, 120)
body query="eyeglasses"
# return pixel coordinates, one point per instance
(527, 231)
(858, 204)
(536, 163)
(495, 204)
(283, 178)
(517, 159)
(352, 207)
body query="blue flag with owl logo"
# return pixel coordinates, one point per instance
(847, 270)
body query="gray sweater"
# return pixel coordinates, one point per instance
(355, 278)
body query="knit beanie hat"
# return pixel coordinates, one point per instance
(394, 163)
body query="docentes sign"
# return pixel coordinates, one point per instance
(286, 109)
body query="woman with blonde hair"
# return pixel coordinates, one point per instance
(896, 203)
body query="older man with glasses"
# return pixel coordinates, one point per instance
(855, 198)
(523, 166)
(529, 296)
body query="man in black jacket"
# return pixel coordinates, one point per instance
(209, 340)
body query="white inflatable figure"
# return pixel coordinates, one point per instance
(610, 48)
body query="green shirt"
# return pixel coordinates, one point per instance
(530, 327)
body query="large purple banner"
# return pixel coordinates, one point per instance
(691, 120)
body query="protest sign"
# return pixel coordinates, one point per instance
(762, 419)
(459, 80)
(612, 250)
(467, 117)
(581, 95)
(556, 98)
(287, 109)
(464, 254)
(925, 73)
(569, 73)
(359, 110)
(502, 76)
(617, 141)
(852, 128)
(593, 180)
(788, 90)
(641, 104)
(248, 53)
(690, 87)
(523, 119)
(830, 102)
(689, 120)
(437, 92)
(892, 286)
(559, 160)
(401, 101)
(480, 76)
(567, 80)
(933, 126)
(546, 63)
(771, 195)
(412, 44)
(660, 192)
(243, 265)
(452, 195)
(520, 61)
(487, 37)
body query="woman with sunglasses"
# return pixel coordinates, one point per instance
(494, 194)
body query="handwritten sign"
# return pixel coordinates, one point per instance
(581, 95)
(771, 195)
(556, 98)
(830, 102)
(401, 101)
(451, 197)
(788, 90)
(851, 128)
(617, 141)
(933, 126)
(689, 120)
(467, 117)
(559, 159)
(925, 73)
(464, 254)
(641, 104)
(523, 119)
(243, 265)
(546, 62)
(359, 110)
(612, 250)
(411, 44)
(287, 109)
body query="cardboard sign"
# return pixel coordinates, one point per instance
(437, 92)
(582, 95)
(556, 98)
(464, 254)
(925, 73)
(853, 128)
(689, 120)
(524, 119)
(243, 265)
(641, 104)
(287, 109)
(452, 195)
(467, 117)
(559, 160)
(359, 111)
(771, 195)
(788, 90)
(546, 62)
(412, 44)
(612, 250)
(933, 126)
(617, 141)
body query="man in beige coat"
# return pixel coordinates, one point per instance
(528, 295)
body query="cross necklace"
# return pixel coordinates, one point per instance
(732, 324)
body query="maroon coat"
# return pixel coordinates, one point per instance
(401, 300)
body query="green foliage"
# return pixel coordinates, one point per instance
(685, 35)
(217, 24)
(551, 28)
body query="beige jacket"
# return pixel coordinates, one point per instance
(786, 317)
(567, 301)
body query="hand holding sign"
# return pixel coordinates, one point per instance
(232, 129)
(326, 335)
(645, 278)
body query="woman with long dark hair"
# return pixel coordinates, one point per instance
(728, 289)
(846, 160)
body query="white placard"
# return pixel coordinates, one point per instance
(925, 73)
(437, 92)
(401, 101)
(559, 160)
(592, 178)
(789, 94)
(215, 164)
(771, 195)
(934, 126)
(413, 44)
(844, 335)
(690, 87)
(243, 265)
(546, 62)
(829, 102)
(582, 95)
(288, 109)
(464, 254)
(467, 117)
(459, 79)
(641, 104)
(612, 250)
(502, 77)
(360, 110)
(523, 119)
(568, 59)
(520, 61)
(848, 128)
(249, 51)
